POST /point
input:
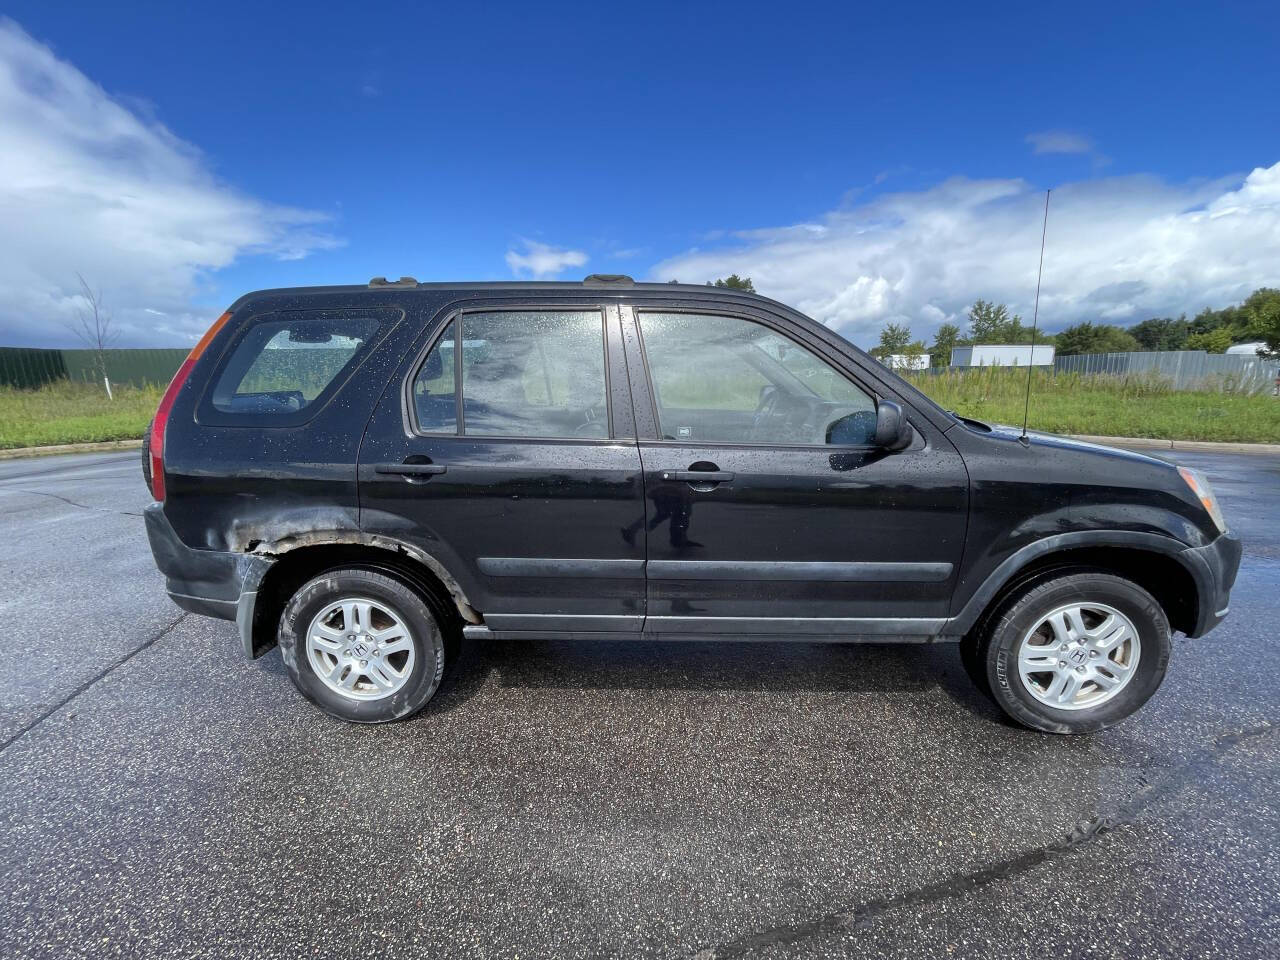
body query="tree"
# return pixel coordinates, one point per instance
(895, 341)
(1162, 333)
(944, 341)
(1208, 320)
(1262, 309)
(915, 348)
(894, 338)
(734, 282)
(1094, 338)
(1212, 341)
(93, 328)
(991, 323)
(987, 321)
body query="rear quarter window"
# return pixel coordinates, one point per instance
(283, 367)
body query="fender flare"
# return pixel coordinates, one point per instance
(964, 621)
(268, 553)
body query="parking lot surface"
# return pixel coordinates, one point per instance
(162, 797)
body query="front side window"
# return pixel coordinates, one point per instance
(536, 373)
(283, 365)
(728, 380)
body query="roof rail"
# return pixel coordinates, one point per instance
(384, 282)
(608, 280)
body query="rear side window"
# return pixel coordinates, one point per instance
(536, 373)
(285, 366)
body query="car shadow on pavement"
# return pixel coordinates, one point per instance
(720, 666)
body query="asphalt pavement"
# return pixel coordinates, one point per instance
(162, 797)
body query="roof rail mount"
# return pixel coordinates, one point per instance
(384, 282)
(608, 280)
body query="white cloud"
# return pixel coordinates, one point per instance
(541, 260)
(91, 183)
(1059, 141)
(1120, 249)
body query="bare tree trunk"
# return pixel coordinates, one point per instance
(94, 329)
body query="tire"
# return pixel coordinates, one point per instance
(1045, 659)
(363, 646)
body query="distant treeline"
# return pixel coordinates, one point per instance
(1256, 319)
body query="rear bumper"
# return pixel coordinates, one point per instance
(1217, 564)
(212, 583)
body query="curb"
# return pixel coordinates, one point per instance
(1190, 446)
(54, 449)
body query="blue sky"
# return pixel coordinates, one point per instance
(861, 163)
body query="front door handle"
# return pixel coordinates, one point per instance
(411, 469)
(698, 476)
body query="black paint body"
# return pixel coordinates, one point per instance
(595, 536)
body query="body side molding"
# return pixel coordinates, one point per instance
(559, 567)
(853, 571)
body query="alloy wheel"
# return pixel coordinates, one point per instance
(360, 648)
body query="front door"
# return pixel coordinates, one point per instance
(770, 511)
(504, 454)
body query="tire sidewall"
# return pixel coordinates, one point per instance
(1131, 600)
(425, 634)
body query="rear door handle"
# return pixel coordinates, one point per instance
(698, 476)
(411, 469)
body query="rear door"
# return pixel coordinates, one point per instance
(506, 449)
(771, 511)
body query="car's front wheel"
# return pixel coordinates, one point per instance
(1074, 654)
(362, 646)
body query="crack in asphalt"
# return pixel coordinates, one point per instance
(82, 506)
(958, 884)
(22, 731)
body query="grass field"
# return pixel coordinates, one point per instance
(70, 412)
(67, 412)
(1137, 406)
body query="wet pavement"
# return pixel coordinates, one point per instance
(160, 796)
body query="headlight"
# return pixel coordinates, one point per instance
(1204, 493)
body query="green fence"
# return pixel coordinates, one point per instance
(28, 368)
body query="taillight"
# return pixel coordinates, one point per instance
(161, 421)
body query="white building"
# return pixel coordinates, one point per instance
(907, 361)
(1002, 355)
(1248, 349)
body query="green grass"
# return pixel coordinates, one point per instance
(1131, 406)
(71, 412)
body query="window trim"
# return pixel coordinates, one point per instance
(639, 307)
(389, 316)
(410, 407)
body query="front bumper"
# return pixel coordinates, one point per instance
(212, 583)
(1215, 566)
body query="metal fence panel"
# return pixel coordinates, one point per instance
(1184, 369)
(138, 367)
(28, 368)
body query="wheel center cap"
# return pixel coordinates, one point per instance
(1079, 656)
(360, 650)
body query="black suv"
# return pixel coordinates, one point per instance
(366, 475)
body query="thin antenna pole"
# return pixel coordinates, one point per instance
(1035, 319)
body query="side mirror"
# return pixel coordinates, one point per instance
(893, 432)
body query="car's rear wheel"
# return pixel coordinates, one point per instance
(362, 645)
(1075, 654)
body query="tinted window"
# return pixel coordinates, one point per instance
(728, 380)
(524, 374)
(280, 367)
